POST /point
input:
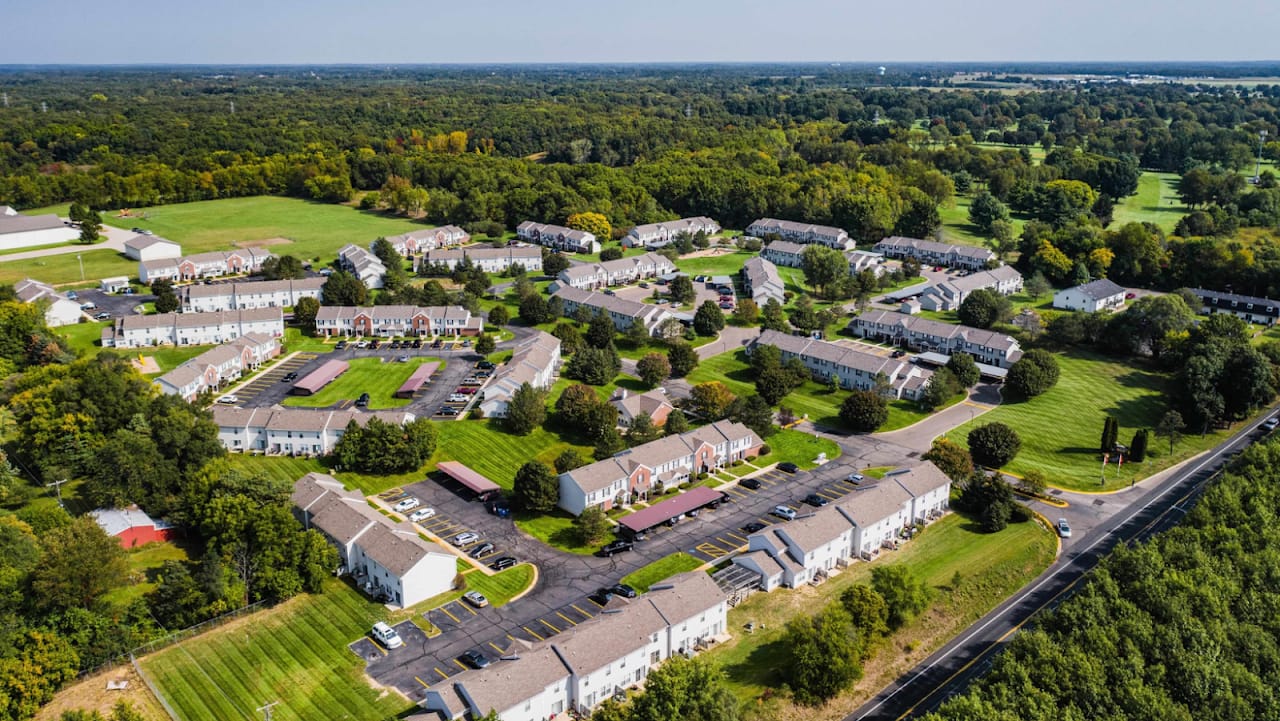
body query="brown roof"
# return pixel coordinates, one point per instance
(866, 507)
(684, 596)
(510, 682)
(343, 518)
(814, 531)
(397, 547)
(609, 637)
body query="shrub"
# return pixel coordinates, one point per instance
(994, 444)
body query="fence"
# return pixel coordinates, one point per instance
(154, 690)
(199, 628)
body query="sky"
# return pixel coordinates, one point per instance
(600, 31)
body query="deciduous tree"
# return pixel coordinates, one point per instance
(527, 410)
(592, 525)
(708, 320)
(536, 489)
(864, 411)
(904, 593)
(823, 655)
(343, 288)
(994, 444)
(653, 369)
(683, 359)
(710, 400)
(305, 311)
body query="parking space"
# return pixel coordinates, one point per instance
(110, 305)
(456, 512)
(273, 377)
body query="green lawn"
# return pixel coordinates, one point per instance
(556, 530)
(645, 576)
(724, 264)
(295, 653)
(64, 270)
(366, 375)
(1155, 202)
(144, 564)
(84, 338)
(501, 587)
(296, 340)
(1060, 429)
(796, 446)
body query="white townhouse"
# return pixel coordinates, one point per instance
(860, 260)
(784, 253)
(137, 331)
(22, 231)
(588, 663)
(1252, 309)
(214, 367)
(203, 265)
(151, 247)
(761, 281)
(590, 276)
(805, 233)
(384, 556)
(806, 548)
(1091, 297)
(490, 260)
(534, 361)
(986, 346)
(657, 235)
(281, 431)
(668, 461)
(949, 294)
(853, 369)
(878, 515)
(362, 264)
(59, 310)
(250, 294)
(929, 487)
(930, 252)
(420, 241)
(558, 237)
(623, 312)
(388, 321)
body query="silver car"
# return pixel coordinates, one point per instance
(464, 539)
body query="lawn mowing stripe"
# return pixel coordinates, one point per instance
(351, 698)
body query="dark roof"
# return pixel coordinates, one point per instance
(670, 508)
(467, 477)
(1099, 289)
(415, 381)
(1232, 298)
(25, 223)
(321, 377)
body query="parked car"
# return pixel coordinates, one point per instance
(447, 411)
(622, 589)
(784, 512)
(855, 478)
(407, 504)
(362, 401)
(290, 376)
(417, 343)
(1271, 423)
(465, 538)
(475, 598)
(466, 343)
(437, 344)
(485, 365)
(897, 353)
(1064, 528)
(644, 285)
(457, 398)
(104, 315)
(402, 359)
(362, 344)
(503, 563)
(386, 635)
(88, 306)
(394, 345)
(340, 345)
(613, 547)
(750, 483)
(609, 291)
(1130, 296)
(815, 500)
(482, 550)
(788, 467)
(601, 597)
(474, 659)
(422, 514)
(467, 389)
(754, 527)
(373, 344)
(228, 399)
(72, 295)
(726, 305)
(501, 509)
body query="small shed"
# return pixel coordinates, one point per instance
(319, 378)
(417, 380)
(113, 285)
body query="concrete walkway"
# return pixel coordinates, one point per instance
(115, 238)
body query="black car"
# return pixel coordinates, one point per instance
(395, 345)
(474, 659)
(290, 376)
(417, 343)
(754, 527)
(618, 546)
(483, 549)
(815, 500)
(373, 344)
(437, 344)
(499, 508)
(601, 597)
(898, 353)
(788, 467)
(447, 411)
(363, 400)
(750, 483)
(341, 345)
(623, 590)
(485, 366)
(503, 563)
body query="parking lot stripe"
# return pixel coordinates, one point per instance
(470, 610)
(445, 611)
(461, 665)
(829, 495)
(443, 675)
(496, 647)
(584, 613)
(730, 544)
(597, 603)
(740, 539)
(424, 683)
(570, 620)
(531, 633)
(548, 625)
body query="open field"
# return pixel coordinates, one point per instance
(796, 446)
(645, 576)
(144, 565)
(991, 566)
(367, 375)
(1155, 202)
(1060, 429)
(295, 654)
(556, 530)
(956, 227)
(91, 694)
(64, 270)
(724, 264)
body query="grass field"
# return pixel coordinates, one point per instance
(798, 447)
(144, 562)
(295, 654)
(366, 375)
(556, 530)
(64, 270)
(725, 264)
(1155, 202)
(1060, 429)
(500, 587)
(991, 567)
(645, 576)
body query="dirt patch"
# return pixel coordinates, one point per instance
(261, 243)
(710, 252)
(92, 694)
(145, 364)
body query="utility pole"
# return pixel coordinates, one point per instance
(266, 710)
(1257, 168)
(58, 486)
(81, 259)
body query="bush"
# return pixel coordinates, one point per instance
(765, 449)
(994, 444)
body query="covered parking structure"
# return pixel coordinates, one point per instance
(319, 378)
(415, 382)
(995, 373)
(482, 487)
(660, 513)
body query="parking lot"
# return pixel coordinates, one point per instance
(117, 305)
(272, 379)
(636, 293)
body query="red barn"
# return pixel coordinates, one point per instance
(132, 526)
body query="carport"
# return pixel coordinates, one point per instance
(660, 513)
(320, 377)
(478, 484)
(987, 370)
(417, 380)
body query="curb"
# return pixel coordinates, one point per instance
(1048, 527)
(528, 589)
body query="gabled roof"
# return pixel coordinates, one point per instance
(809, 533)
(18, 223)
(142, 242)
(115, 521)
(1100, 289)
(919, 480)
(866, 507)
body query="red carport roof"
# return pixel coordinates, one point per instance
(670, 508)
(419, 377)
(321, 377)
(467, 477)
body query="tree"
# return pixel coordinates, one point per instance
(166, 299)
(609, 444)
(1149, 322)
(343, 288)
(385, 447)
(683, 359)
(1171, 425)
(864, 411)
(596, 366)
(989, 498)
(305, 311)
(1036, 372)
(803, 315)
(904, 594)
(595, 223)
(499, 315)
(677, 423)
(526, 410)
(942, 387)
(1138, 446)
(600, 331)
(653, 368)
(90, 227)
(79, 564)
(681, 289)
(994, 444)
(951, 458)
(592, 525)
(534, 310)
(685, 689)
(772, 317)
(708, 320)
(824, 268)
(36, 664)
(574, 403)
(985, 210)
(641, 430)
(755, 413)
(536, 489)
(823, 655)
(774, 383)
(608, 254)
(485, 344)
(710, 400)
(553, 262)
(1037, 285)
(965, 369)
(568, 460)
(984, 308)
(1110, 431)
(747, 313)
(1033, 482)
(288, 267)
(867, 610)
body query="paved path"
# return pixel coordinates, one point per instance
(731, 339)
(115, 241)
(919, 436)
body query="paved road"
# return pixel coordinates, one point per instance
(919, 437)
(1155, 505)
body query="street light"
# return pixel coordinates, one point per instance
(81, 259)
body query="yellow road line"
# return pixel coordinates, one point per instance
(461, 665)
(584, 613)
(470, 610)
(496, 647)
(424, 683)
(445, 611)
(543, 621)
(531, 633)
(443, 675)
(570, 620)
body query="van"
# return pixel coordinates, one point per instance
(386, 635)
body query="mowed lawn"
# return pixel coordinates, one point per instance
(295, 653)
(723, 264)
(64, 270)
(1155, 202)
(379, 379)
(1060, 430)
(663, 568)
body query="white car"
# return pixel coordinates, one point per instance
(408, 504)
(1064, 528)
(463, 539)
(784, 512)
(422, 514)
(229, 399)
(1271, 423)
(855, 478)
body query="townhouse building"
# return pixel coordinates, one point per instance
(949, 294)
(389, 321)
(922, 334)
(852, 368)
(388, 559)
(657, 235)
(490, 260)
(654, 404)
(241, 261)
(535, 361)
(291, 431)
(623, 312)
(634, 473)
(138, 331)
(804, 233)
(784, 253)
(1252, 309)
(218, 366)
(930, 252)
(249, 294)
(420, 241)
(1091, 297)
(59, 310)
(558, 237)
(590, 276)
(762, 283)
(362, 264)
(860, 260)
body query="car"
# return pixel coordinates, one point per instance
(402, 359)
(699, 278)
(72, 295)
(1130, 296)
(136, 230)
(373, 344)
(485, 365)
(754, 527)
(609, 291)
(788, 467)
(341, 345)
(474, 659)
(127, 291)
(88, 306)
(897, 353)
(644, 285)
(726, 305)
(422, 514)
(1064, 529)
(386, 635)
(786, 513)
(815, 500)
(622, 589)
(228, 399)
(437, 343)
(938, 269)
(394, 345)
(417, 343)
(503, 563)
(613, 547)
(290, 376)
(326, 272)
(362, 344)
(475, 598)
(482, 550)
(407, 504)
(104, 315)
(601, 597)
(468, 389)
(362, 401)
(457, 398)
(446, 411)
(501, 509)
(1271, 423)
(466, 538)
(750, 483)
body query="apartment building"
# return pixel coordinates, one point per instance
(59, 310)
(804, 233)
(949, 294)
(291, 431)
(623, 312)
(249, 294)
(362, 264)
(420, 241)
(490, 260)
(591, 276)
(784, 253)
(860, 260)
(1091, 297)
(657, 235)
(762, 283)
(654, 404)
(1263, 311)
(853, 369)
(389, 321)
(930, 252)
(139, 331)
(216, 367)
(558, 237)
(534, 361)
(241, 261)
(922, 334)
